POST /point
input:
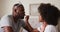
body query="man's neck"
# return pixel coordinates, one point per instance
(15, 19)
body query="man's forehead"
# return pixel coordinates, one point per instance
(17, 7)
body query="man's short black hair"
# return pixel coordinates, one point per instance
(49, 13)
(18, 5)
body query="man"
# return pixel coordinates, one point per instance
(13, 23)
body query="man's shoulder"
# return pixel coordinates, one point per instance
(5, 21)
(5, 16)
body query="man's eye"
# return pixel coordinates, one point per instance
(15, 10)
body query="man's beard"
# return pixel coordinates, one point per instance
(22, 17)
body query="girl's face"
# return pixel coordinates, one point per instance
(40, 18)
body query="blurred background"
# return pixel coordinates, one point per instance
(6, 8)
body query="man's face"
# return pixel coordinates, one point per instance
(19, 12)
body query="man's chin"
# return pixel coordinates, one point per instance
(22, 18)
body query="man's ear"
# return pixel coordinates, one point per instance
(15, 10)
